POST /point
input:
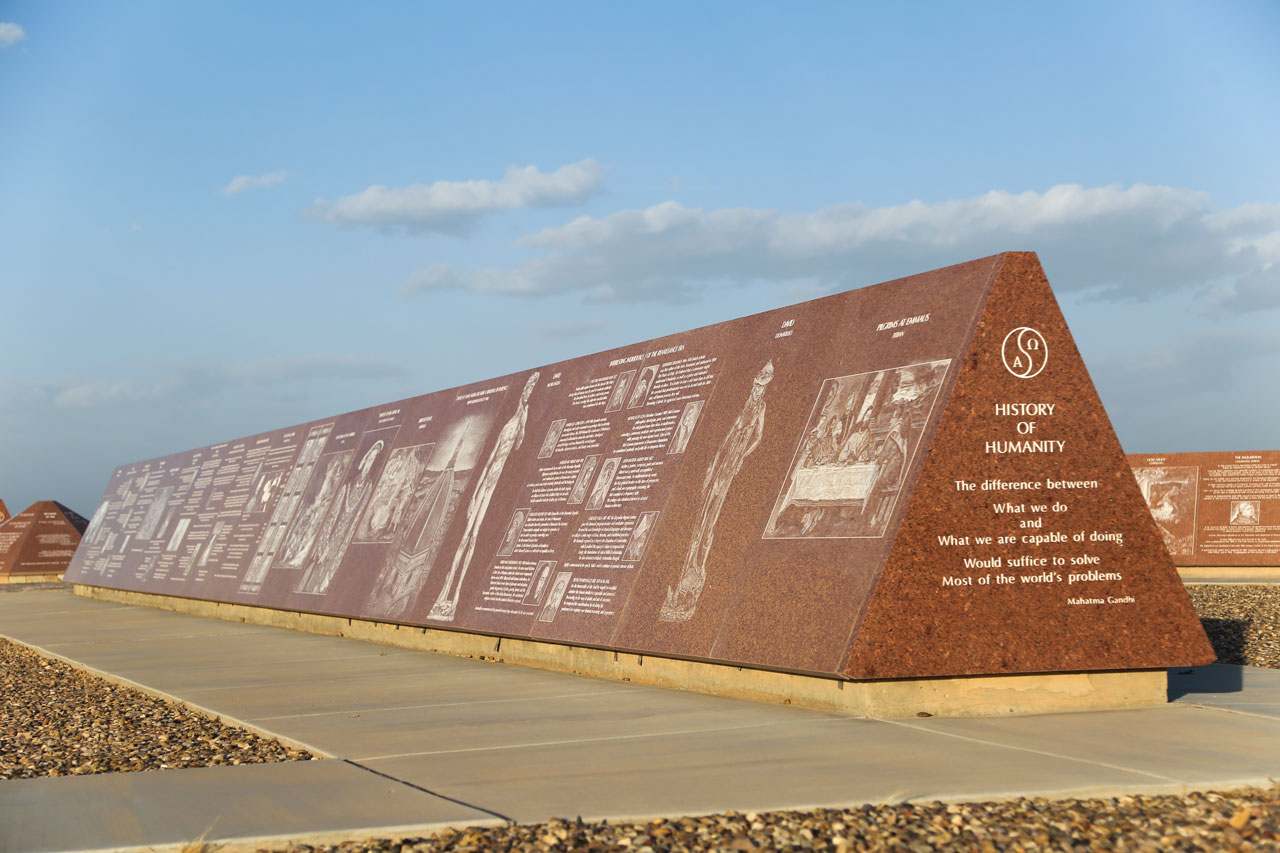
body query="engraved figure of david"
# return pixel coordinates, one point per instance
(743, 438)
(509, 439)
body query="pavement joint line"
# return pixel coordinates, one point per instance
(227, 719)
(1044, 752)
(425, 790)
(570, 742)
(1227, 710)
(435, 705)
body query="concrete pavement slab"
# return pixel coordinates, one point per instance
(173, 807)
(533, 744)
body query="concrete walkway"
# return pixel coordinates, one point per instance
(420, 741)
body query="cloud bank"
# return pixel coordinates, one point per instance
(243, 183)
(10, 34)
(1133, 242)
(196, 382)
(454, 207)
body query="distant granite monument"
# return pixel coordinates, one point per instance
(38, 543)
(914, 479)
(4, 512)
(1214, 509)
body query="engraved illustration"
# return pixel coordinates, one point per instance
(854, 452)
(510, 437)
(265, 486)
(290, 498)
(513, 532)
(218, 527)
(348, 506)
(437, 493)
(393, 493)
(179, 532)
(558, 589)
(1245, 512)
(601, 489)
(315, 503)
(155, 513)
(741, 440)
(94, 530)
(579, 490)
(619, 394)
(538, 583)
(639, 537)
(1170, 493)
(684, 427)
(553, 435)
(643, 386)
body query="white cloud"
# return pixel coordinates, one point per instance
(455, 206)
(243, 183)
(10, 34)
(199, 382)
(1118, 242)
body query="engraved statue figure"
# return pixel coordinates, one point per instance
(336, 534)
(743, 438)
(509, 438)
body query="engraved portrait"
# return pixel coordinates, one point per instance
(739, 442)
(155, 513)
(265, 486)
(290, 497)
(513, 532)
(1245, 512)
(854, 453)
(558, 588)
(600, 490)
(644, 385)
(684, 426)
(553, 435)
(579, 491)
(315, 502)
(94, 530)
(538, 583)
(639, 537)
(1170, 493)
(618, 395)
(510, 438)
(348, 506)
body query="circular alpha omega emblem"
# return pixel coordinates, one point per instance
(1025, 352)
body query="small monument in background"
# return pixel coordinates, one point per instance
(4, 512)
(38, 543)
(892, 486)
(1219, 513)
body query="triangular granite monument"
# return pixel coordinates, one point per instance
(915, 479)
(4, 512)
(39, 542)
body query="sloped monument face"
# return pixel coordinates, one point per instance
(1214, 509)
(910, 479)
(4, 512)
(40, 540)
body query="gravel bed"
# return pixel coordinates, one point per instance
(1242, 621)
(1245, 820)
(56, 720)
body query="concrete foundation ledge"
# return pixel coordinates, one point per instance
(975, 696)
(1210, 573)
(7, 579)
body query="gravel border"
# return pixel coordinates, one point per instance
(57, 720)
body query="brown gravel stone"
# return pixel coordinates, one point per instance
(56, 720)
(1242, 621)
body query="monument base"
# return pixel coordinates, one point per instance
(974, 696)
(1208, 574)
(51, 578)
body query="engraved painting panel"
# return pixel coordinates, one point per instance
(1170, 493)
(436, 492)
(855, 450)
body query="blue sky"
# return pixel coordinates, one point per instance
(222, 218)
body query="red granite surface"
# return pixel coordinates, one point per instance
(745, 492)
